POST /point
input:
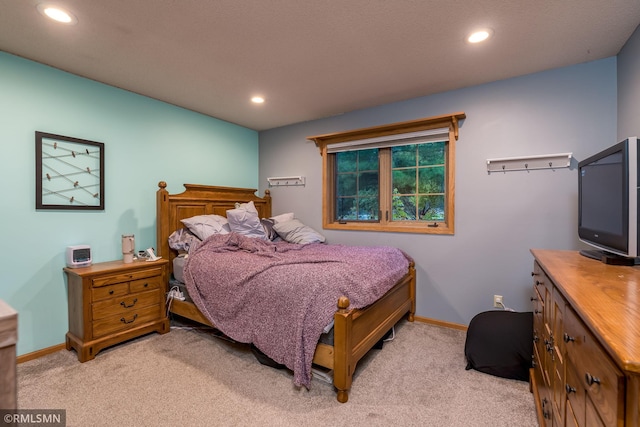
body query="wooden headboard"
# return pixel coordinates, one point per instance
(198, 200)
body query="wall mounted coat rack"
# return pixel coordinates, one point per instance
(286, 181)
(544, 161)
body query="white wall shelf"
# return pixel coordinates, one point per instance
(282, 181)
(544, 161)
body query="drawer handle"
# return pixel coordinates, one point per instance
(568, 338)
(129, 306)
(536, 338)
(146, 285)
(534, 299)
(111, 292)
(591, 380)
(545, 412)
(129, 321)
(537, 311)
(569, 389)
(538, 282)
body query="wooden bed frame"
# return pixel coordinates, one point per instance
(356, 331)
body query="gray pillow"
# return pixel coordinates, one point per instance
(204, 226)
(245, 220)
(294, 231)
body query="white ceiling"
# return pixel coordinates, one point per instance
(310, 58)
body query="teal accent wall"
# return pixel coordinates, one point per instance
(146, 141)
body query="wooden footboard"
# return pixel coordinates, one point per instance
(357, 331)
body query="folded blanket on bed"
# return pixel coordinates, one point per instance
(279, 296)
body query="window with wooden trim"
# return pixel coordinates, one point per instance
(397, 177)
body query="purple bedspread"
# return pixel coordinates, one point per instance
(280, 296)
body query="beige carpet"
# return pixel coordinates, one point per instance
(191, 378)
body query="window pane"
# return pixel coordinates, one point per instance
(368, 182)
(345, 208)
(346, 184)
(404, 208)
(431, 153)
(431, 208)
(431, 180)
(403, 156)
(404, 180)
(368, 159)
(346, 161)
(368, 208)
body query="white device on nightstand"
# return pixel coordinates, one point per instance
(78, 256)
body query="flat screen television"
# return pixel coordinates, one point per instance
(608, 203)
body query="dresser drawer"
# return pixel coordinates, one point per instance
(126, 321)
(125, 277)
(575, 393)
(124, 305)
(602, 380)
(145, 284)
(110, 291)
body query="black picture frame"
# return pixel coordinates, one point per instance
(69, 173)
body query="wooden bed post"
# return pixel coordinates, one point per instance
(342, 370)
(162, 215)
(412, 291)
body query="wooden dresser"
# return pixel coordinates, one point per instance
(112, 302)
(8, 340)
(586, 341)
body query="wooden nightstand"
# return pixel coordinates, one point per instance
(111, 302)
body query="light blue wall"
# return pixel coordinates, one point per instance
(629, 88)
(499, 217)
(146, 141)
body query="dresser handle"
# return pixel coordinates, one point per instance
(568, 338)
(545, 412)
(534, 299)
(591, 380)
(130, 321)
(569, 389)
(111, 292)
(129, 306)
(146, 285)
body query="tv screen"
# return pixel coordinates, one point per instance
(607, 200)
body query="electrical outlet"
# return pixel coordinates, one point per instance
(497, 301)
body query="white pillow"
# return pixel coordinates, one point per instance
(204, 226)
(294, 231)
(245, 220)
(282, 217)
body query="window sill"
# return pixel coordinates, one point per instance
(394, 227)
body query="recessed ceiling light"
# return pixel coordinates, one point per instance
(57, 14)
(480, 35)
(257, 100)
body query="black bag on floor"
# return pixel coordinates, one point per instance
(500, 343)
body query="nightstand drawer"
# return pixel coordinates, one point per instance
(110, 291)
(125, 277)
(145, 284)
(124, 305)
(126, 321)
